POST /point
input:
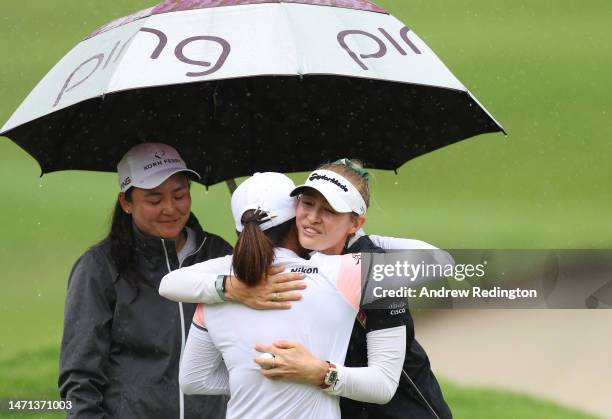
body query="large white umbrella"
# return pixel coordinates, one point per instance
(240, 86)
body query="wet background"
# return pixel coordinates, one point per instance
(542, 69)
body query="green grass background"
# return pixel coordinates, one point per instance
(542, 67)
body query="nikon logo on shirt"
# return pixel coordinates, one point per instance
(306, 270)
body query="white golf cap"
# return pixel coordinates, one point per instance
(148, 165)
(268, 192)
(339, 191)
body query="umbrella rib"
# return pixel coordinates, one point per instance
(122, 52)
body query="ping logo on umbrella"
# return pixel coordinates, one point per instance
(382, 48)
(162, 41)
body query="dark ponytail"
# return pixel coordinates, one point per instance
(254, 251)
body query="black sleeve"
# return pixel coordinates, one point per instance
(376, 319)
(88, 316)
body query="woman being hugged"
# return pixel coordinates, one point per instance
(330, 212)
(226, 334)
(122, 342)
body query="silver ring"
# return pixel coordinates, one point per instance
(267, 356)
(274, 296)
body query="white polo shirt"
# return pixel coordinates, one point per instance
(322, 322)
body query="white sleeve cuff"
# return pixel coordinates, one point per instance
(377, 382)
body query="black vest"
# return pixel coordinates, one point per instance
(419, 395)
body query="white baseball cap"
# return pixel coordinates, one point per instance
(268, 192)
(148, 165)
(341, 194)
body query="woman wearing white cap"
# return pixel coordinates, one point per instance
(331, 211)
(122, 342)
(226, 334)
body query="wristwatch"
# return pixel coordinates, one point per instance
(331, 378)
(220, 286)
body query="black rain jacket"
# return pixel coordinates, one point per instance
(120, 354)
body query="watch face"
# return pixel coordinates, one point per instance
(332, 377)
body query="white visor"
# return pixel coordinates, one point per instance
(339, 192)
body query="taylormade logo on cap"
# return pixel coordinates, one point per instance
(315, 176)
(339, 192)
(148, 165)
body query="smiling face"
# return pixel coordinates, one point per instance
(320, 227)
(162, 211)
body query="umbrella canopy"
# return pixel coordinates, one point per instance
(248, 85)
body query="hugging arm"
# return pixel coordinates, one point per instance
(393, 243)
(202, 369)
(198, 284)
(375, 383)
(386, 347)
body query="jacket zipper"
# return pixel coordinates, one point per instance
(181, 395)
(182, 315)
(192, 253)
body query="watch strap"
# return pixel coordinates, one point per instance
(331, 377)
(220, 286)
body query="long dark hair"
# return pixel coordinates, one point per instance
(123, 245)
(254, 251)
